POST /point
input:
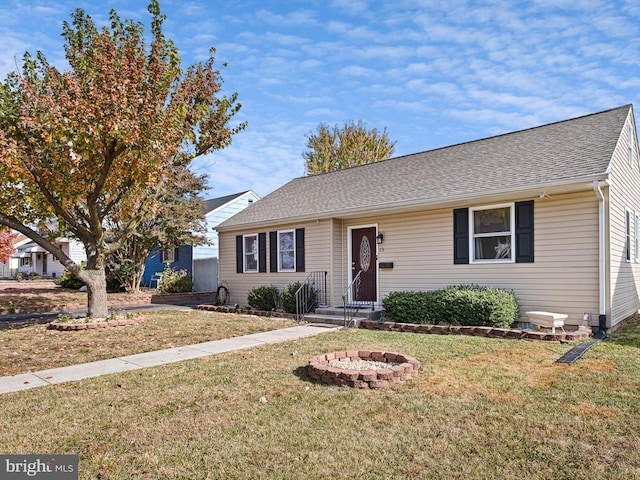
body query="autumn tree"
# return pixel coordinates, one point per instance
(178, 221)
(6, 244)
(337, 148)
(98, 145)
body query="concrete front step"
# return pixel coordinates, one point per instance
(331, 319)
(335, 316)
(364, 312)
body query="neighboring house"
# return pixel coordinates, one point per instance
(32, 258)
(552, 213)
(9, 268)
(200, 261)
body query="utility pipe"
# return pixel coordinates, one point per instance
(602, 277)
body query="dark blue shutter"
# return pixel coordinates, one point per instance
(524, 232)
(299, 249)
(273, 251)
(461, 235)
(262, 252)
(239, 255)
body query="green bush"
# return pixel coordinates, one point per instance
(69, 280)
(264, 298)
(175, 281)
(289, 297)
(113, 284)
(456, 305)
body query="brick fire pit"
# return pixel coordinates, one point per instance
(363, 369)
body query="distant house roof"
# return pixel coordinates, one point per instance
(29, 247)
(561, 153)
(214, 203)
(20, 239)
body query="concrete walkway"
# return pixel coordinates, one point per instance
(160, 357)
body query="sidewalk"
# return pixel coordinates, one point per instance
(160, 357)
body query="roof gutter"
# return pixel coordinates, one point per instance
(602, 274)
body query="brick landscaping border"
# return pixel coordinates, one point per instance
(70, 326)
(407, 367)
(489, 332)
(247, 311)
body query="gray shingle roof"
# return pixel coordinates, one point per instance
(213, 203)
(557, 152)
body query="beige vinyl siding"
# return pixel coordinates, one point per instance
(564, 277)
(317, 258)
(339, 272)
(624, 193)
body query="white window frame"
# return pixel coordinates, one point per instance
(637, 237)
(511, 233)
(25, 261)
(245, 269)
(169, 255)
(628, 235)
(292, 250)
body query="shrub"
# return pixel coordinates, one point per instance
(175, 281)
(289, 296)
(69, 280)
(264, 298)
(456, 305)
(113, 284)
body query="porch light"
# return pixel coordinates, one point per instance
(379, 238)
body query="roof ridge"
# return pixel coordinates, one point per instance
(483, 139)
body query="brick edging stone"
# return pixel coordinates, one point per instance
(488, 332)
(64, 326)
(405, 368)
(247, 311)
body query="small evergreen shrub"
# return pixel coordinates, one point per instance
(113, 284)
(289, 296)
(455, 305)
(266, 298)
(69, 280)
(175, 281)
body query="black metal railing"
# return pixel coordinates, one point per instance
(311, 294)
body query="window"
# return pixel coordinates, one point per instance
(287, 251)
(497, 233)
(637, 232)
(250, 252)
(491, 233)
(25, 261)
(627, 243)
(169, 255)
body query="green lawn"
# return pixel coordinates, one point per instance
(479, 408)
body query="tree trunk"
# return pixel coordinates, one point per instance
(97, 292)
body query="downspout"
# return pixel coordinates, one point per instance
(602, 277)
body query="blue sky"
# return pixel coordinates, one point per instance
(433, 73)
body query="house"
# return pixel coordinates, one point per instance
(200, 261)
(9, 269)
(551, 213)
(32, 258)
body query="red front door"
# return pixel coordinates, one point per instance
(363, 259)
